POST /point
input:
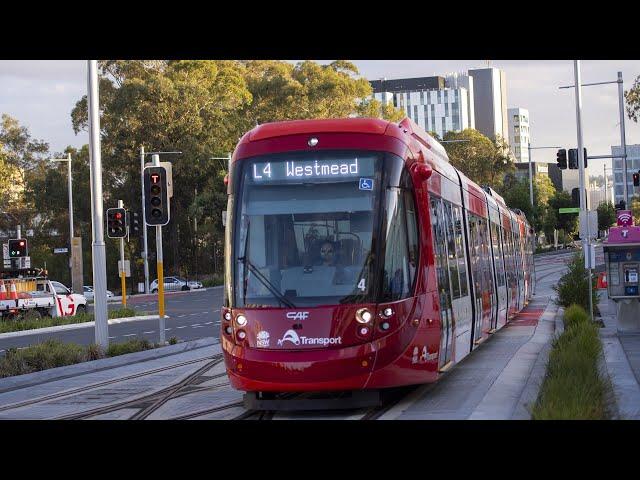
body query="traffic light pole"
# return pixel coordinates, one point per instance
(159, 266)
(123, 281)
(583, 201)
(144, 226)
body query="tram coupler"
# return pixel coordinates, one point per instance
(312, 401)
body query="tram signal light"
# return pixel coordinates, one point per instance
(156, 208)
(636, 179)
(18, 248)
(575, 197)
(133, 219)
(562, 159)
(116, 223)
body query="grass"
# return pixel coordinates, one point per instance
(213, 281)
(573, 388)
(53, 353)
(30, 322)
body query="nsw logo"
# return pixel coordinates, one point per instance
(262, 339)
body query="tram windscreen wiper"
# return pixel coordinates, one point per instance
(257, 274)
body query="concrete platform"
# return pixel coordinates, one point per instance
(622, 361)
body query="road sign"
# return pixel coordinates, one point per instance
(569, 210)
(127, 268)
(61, 250)
(593, 225)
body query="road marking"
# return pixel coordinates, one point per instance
(129, 335)
(152, 331)
(195, 324)
(184, 326)
(205, 312)
(112, 337)
(167, 329)
(183, 315)
(1, 351)
(208, 323)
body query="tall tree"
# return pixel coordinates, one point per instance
(606, 215)
(483, 160)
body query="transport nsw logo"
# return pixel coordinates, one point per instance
(292, 337)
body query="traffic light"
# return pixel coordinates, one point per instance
(133, 219)
(562, 159)
(18, 248)
(573, 158)
(156, 208)
(116, 223)
(575, 197)
(636, 179)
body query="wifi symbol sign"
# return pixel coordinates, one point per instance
(625, 218)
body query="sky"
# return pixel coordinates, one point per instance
(41, 95)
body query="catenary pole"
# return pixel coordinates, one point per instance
(97, 214)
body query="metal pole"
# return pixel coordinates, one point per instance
(123, 281)
(159, 260)
(144, 225)
(530, 176)
(70, 183)
(97, 217)
(583, 203)
(623, 139)
(605, 184)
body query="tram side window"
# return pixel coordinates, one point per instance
(451, 250)
(462, 264)
(495, 234)
(486, 255)
(412, 234)
(396, 260)
(439, 252)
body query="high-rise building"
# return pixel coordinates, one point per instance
(633, 165)
(428, 101)
(490, 101)
(519, 133)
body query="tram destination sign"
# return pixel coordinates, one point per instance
(295, 171)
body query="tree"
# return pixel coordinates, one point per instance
(606, 215)
(202, 108)
(566, 221)
(632, 97)
(483, 160)
(634, 206)
(516, 194)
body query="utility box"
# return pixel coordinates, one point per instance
(622, 261)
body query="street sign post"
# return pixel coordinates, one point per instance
(61, 250)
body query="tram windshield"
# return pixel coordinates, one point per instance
(304, 228)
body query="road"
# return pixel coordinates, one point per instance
(192, 315)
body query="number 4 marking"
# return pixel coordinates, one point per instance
(362, 284)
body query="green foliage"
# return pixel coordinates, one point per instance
(632, 97)
(173, 340)
(54, 353)
(606, 215)
(573, 315)
(28, 321)
(49, 354)
(634, 206)
(566, 221)
(573, 388)
(483, 160)
(516, 194)
(131, 346)
(213, 280)
(572, 288)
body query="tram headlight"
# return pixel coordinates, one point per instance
(227, 315)
(363, 315)
(241, 335)
(228, 330)
(241, 320)
(387, 312)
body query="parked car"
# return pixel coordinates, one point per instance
(175, 283)
(88, 292)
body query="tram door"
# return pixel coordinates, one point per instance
(444, 282)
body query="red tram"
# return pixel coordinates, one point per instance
(358, 257)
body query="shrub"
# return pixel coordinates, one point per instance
(572, 286)
(173, 341)
(135, 345)
(122, 313)
(49, 354)
(574, 315)
(214, 280)
(573, 388)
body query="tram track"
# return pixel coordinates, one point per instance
(93, 386)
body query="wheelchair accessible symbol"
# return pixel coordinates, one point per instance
(366, 184)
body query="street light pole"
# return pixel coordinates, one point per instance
(70, 188)
(530, 174)
(97, 214)
(583, 201)
(623, 138)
